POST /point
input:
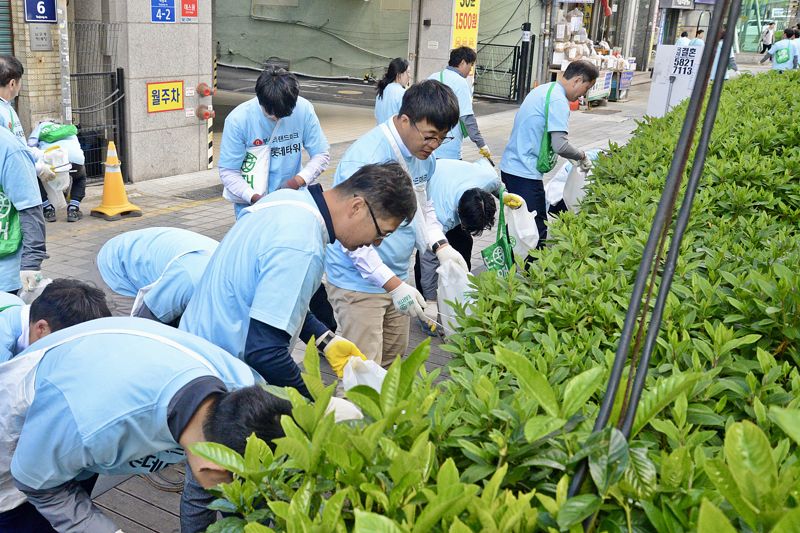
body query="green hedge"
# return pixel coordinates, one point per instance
(494, 447)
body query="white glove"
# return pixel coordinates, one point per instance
(448, 253)
(30, 279)
(45, 173)
(585, 163)
(408, 301)
(431, 311)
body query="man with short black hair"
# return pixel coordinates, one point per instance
(520, 160)
(683, 40)
(263, 139)
(698, 39)
(462, 60)
(367, 287)
(784, 54)
(63, 303)
(117, 396)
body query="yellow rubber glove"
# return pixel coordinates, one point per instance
(485, 152)
(339, 351)
(514, 201)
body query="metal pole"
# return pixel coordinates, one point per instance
(122, 147)
(683, 217)
(63, 52)
(662, 218)
(417, 46)
(523, 85)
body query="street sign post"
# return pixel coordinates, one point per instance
(162, 11)
(42, 11)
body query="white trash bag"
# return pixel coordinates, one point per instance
(357, 371)
(575, 188)
(453, 287)
(522, 230)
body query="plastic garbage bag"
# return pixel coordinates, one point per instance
(453, 287)
(29, 296)
(575, 188)
(522, 230)
(360, 372)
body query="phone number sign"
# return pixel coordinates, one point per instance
(162, 11)
(684, 62)
(164, 96)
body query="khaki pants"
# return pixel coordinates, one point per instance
(371, 322)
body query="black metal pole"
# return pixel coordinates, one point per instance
(523, 85)
(662, 218)
(683, 218)
(122, 149)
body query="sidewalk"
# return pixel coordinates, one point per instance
(192, 201)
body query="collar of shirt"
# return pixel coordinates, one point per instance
(454, 69)
(316, 194)
(396, 134)
(25, 321)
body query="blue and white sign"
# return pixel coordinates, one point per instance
(162, 11)
(43, 11)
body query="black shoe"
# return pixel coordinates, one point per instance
(49, 213)
(74, 214)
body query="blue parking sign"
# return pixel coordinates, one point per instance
(162, 11)
(43, 11)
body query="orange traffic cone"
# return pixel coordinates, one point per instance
(115, 204)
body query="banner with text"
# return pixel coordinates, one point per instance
(465, 23)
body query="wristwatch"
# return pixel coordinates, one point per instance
(438, 244)
(324, 340)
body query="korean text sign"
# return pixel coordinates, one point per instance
(465, 23)
(164, 96)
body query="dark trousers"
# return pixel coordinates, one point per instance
(532, 191)
(78, 189)
(26, 519)
(321, 308)
(460, 240)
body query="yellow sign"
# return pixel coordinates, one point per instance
(164, 96)
(465, 23)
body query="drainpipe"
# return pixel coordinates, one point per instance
(419, 37)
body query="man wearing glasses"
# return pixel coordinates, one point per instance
(367, 287)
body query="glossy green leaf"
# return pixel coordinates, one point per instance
(712, 520)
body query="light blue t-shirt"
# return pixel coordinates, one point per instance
(247, 127)
(9, 120)
(697, 42)
(796, 44)
(267, 267)
(783, 55)
(101, 400)
(454, 80)
(19, 184)
(135, 259)
(395, 250)
(682, 41)
(70, 144)
(522, 150)
(11, 328)
(716, 61)
(451, 180)
(387, 106)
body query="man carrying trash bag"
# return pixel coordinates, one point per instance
(540, 134)
(462, 195)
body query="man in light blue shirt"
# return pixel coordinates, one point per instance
(263, 140)
(163, 264)
(698, 39)
(783, 54)
(391, 89)
(118, 396)
(367, 288)
(518, 166)
(683, 40)
(254, 295)
(22, 255)
(63, 303)
(462, 59)
(11, 71)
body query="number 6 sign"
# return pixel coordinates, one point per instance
(40, 11)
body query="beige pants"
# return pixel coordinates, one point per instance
(371, 322)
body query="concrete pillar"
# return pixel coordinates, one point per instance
(431, 26)
(167, 143)
(40, 97)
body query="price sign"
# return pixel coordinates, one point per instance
(162, 11)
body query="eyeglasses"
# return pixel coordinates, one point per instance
(433, 140)
(381, 234)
